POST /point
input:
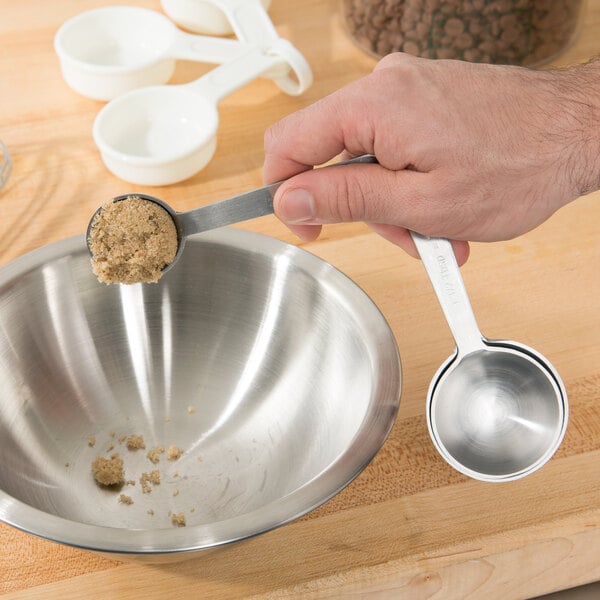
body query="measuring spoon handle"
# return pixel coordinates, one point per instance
(252, 63)
(249, 205)
(243, 207)
(202, 48)
(249, 20)
(440, 263)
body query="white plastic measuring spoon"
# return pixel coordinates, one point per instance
(248, 19)
(160, 135)
(108, 51)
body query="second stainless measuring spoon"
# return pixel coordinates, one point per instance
(496, 410)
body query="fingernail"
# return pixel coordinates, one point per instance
(296, 206)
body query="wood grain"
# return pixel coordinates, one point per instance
(409, 526)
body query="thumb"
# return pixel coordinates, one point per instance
(359, 192)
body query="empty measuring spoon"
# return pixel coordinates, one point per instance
(496, 410)
(160, 135)
(108, 51)
(249, 205)
(248, 19)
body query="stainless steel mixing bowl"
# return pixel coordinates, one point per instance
(272, 371)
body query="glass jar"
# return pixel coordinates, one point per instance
(518, 32)
(5, 164)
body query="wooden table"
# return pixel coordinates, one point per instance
(409, 526)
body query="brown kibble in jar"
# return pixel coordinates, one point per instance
(108, 471)
(524, 32)
(132, 241)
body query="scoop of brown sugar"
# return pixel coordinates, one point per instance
(132, 241)
(108, 471)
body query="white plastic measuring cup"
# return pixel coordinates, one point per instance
(108, 51)
(222, 17)
(160, 135)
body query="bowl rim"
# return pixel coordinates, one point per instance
(375, 428)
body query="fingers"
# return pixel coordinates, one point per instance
(361, 192)
(401, 237)
(290, 145)
(344, 121)
(307, 233)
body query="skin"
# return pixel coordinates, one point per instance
(470, 152)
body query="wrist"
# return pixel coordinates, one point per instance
(579, 91)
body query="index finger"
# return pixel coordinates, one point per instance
(316, 134)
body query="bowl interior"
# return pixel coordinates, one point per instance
(498, 413)
(274, 374)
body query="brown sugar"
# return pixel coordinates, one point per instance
(174, 453)
(132, 241)
(147, 480)
(108, 471)
(135, 442)
(154, 454)
(124, 499)
(178, 519)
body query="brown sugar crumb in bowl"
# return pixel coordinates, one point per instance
(174, 453)
(108, 471)
(131, 240)
(178, 519)
(135, 442)
(147, 480)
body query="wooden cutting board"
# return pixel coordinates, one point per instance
(409, 526)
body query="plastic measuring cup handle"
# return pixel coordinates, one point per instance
(203, 48)
(252, 24)
(298, 67)
(230, 76)
(249, 20)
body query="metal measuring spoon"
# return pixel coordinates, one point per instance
(255, 203)
(496, 410)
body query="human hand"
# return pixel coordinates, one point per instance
(466, 151)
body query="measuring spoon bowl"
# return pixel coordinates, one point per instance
(499, 413)
(157, 135)
(109, 51)
(496, 410)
